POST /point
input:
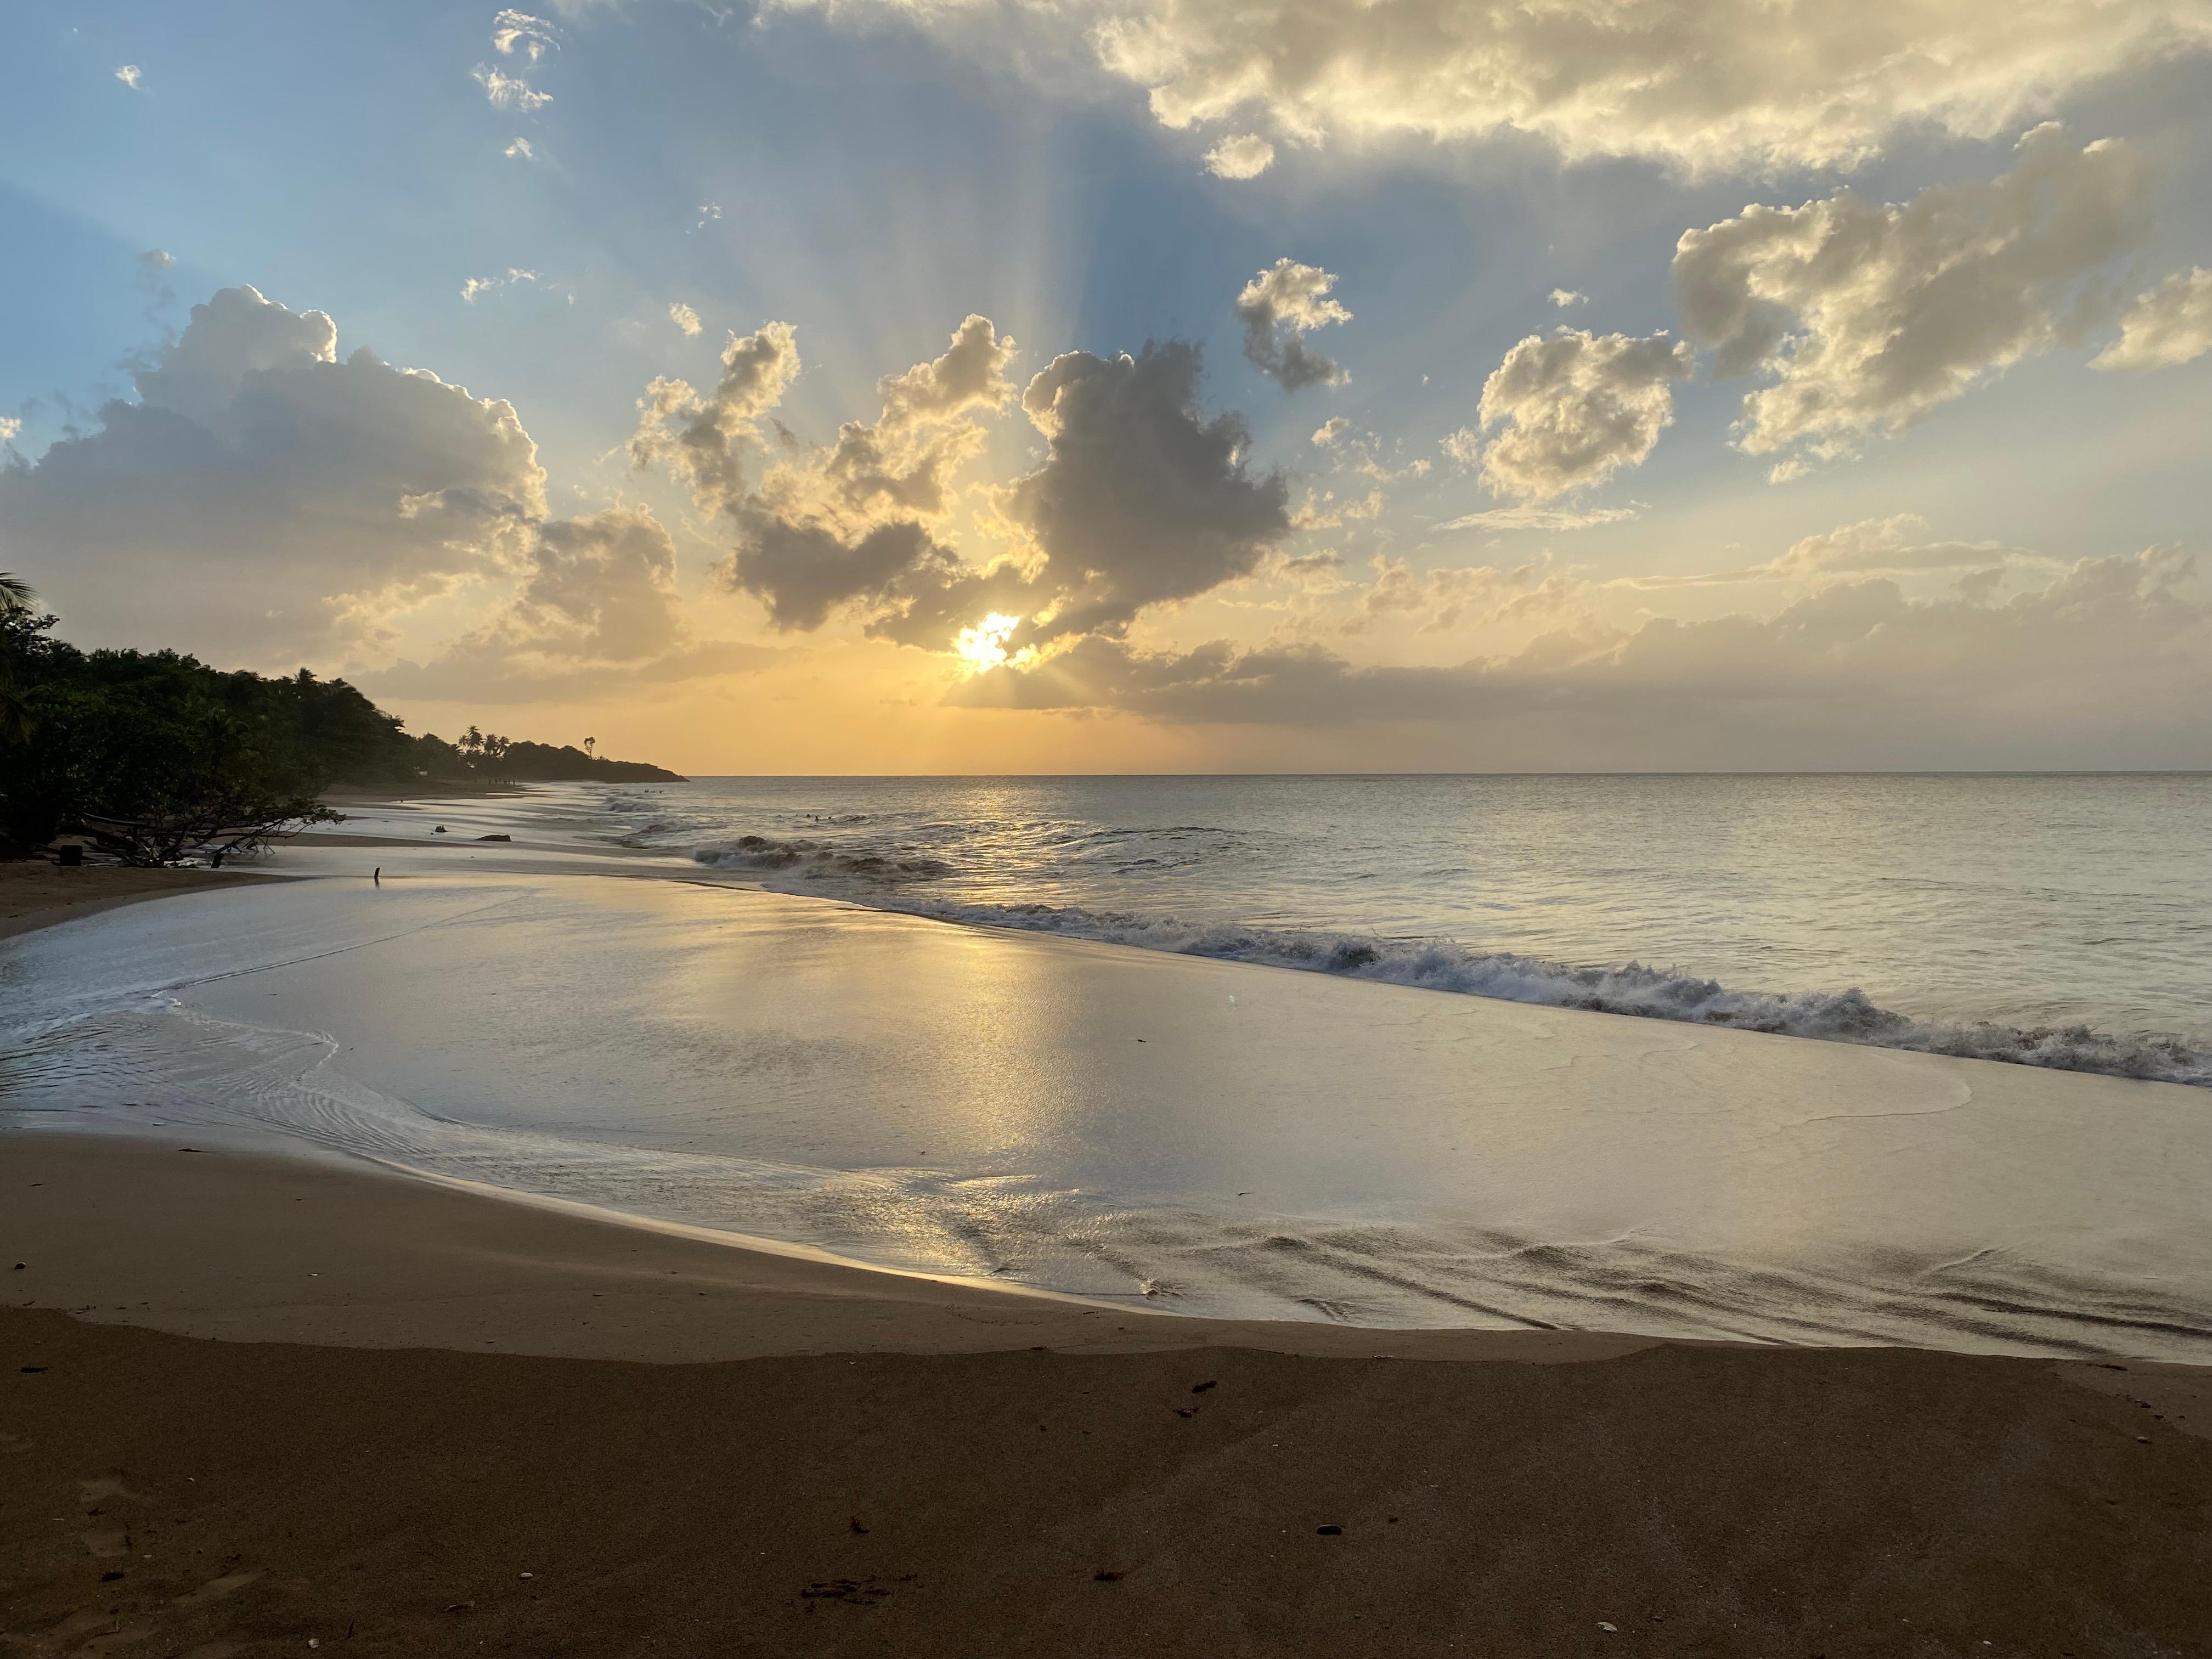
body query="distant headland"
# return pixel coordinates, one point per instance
(155, 756)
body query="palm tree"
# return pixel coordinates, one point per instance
(15, 595)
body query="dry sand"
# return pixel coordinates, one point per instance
(253, 1404)
(943, 1488)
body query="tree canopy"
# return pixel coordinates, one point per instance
(155, 754)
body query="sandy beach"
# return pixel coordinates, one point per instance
(260, 1396)
(362, 1443)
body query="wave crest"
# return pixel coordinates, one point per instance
(817, 860)
(1634, 989)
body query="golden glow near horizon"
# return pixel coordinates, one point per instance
(984, 646)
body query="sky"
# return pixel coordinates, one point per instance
(1106, 386)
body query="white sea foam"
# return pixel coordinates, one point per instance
(1647, 992)
(883, 874)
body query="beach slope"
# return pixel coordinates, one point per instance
(970, 1494)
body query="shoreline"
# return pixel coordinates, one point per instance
(1552, 1167)
(417, 1421)
(257, 1395)
(208, 1241)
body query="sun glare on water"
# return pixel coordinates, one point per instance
(984, 646)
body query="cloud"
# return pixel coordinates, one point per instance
(2171, 325)
(264, 499)
(850, 523)
(521, 147)
(1895, 546)
(154, 267)
(596, 612)
(11, 428)
(1564, 297)
(2109, 664)
(1141, 500)
(1539, 517)
(1331, 431)
(1702, 86)
(1444, 596)
(1865, 317)
(1247, 155)
(700, 439)
(476, 285)
(514, 32)
(129, 75)
(1576, 407)
(507, 91)
(1278, 308)
(685, 318)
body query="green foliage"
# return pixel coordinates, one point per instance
(155, 755)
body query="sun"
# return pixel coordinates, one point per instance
(984, 646)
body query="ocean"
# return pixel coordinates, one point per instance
(1110, 1092)
(2062, 921)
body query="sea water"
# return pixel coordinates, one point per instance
(2056, 919)
(619, 1028)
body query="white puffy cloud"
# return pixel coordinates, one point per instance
(1576, 407)
(514, 32)
(1247, 155)
(264, 499)
(520, 149)
(2108, 664)
(1141, 499)
(700, 439)
(2171, 325)
(476, 285)
(1564, 297)
(507, 91)
(1701, 85)
(129, 75)
(685, 318)
(1331, 431)
(1865, 317)
(11, 427)
(851, 523)
(1279, 308)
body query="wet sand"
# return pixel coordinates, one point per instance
(35, 893)
(251, 1402)
(900, 1466)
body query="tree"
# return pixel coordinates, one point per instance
(17, 605)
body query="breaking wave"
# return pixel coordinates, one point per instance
(1646, 992)
(885, 877)
(819, 860)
